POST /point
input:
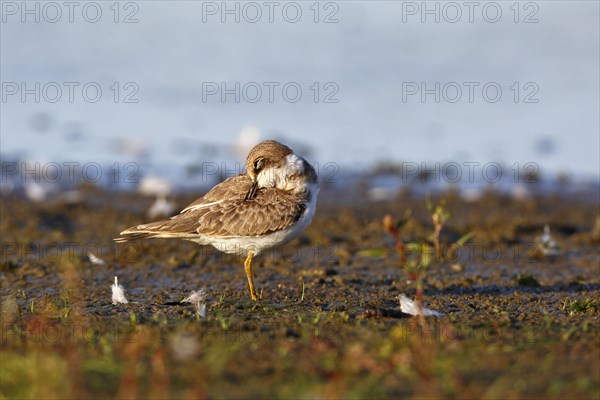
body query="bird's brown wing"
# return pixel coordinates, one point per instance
(232, 188)
(271, 210)
(216, 214)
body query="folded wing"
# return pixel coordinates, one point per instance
(223, 212)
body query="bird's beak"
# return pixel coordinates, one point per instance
(252, 192)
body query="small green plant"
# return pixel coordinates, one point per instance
(221, 299)
(302, 297)
(416, 257)
(225, 322)
(132, 318)
(316, 319)
(576, 306)
(527, 280)
(439, 216)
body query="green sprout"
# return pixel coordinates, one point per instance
(416, 257)
(439, 217)
(586, 306)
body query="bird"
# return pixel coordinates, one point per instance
(265, 207)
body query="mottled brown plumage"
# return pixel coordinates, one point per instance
(223, 211)
(268, 206)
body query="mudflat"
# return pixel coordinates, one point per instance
(518, 322)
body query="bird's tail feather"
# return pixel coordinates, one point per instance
(159, 229)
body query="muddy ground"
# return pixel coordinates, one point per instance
(517, 323)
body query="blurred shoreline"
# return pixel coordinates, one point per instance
(40, 181)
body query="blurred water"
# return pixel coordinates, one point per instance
(370, 54)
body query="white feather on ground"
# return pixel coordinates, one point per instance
(408, 306)
(198, 298)
(118, 294)
(95, 259)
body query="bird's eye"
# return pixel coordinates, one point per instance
(258, 164)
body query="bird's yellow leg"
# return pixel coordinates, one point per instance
(248, 268)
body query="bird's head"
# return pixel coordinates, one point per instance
(271, 164)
